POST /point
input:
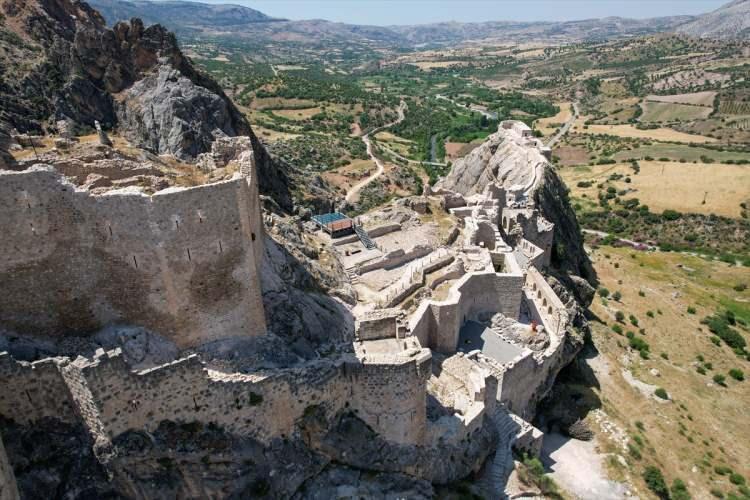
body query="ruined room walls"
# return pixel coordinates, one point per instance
(181, 262)
(437, 324)
(527, 379)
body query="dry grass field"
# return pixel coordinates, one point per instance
(672, 185)
(545, 125)
(297, 114)
(696, 98)
(682, 436)
(669, 112)
(658, 134)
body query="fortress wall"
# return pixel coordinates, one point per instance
(391, 396)
(8, 486)
(184, 391)
(181, 262)
(31, 391)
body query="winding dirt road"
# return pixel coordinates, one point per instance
(564, 129)
(354, 191)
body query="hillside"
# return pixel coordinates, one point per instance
(179, 14)
(199, 18)
(731, 21)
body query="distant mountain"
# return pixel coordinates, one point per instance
(588, 29)
(730, 21)
(209, 19)
(179, 14)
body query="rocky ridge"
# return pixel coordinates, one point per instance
(731, 21)
(130, 77)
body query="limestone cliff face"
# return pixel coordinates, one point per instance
(136, 79)
(501, 159)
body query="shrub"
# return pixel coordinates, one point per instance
(671, 214)
(633, 320)
(603, 292)
(737, 374)
(661, 393)
(639, 425)
(679, 490)
(650, 314)
(617, 296)
(655, 482)
(664, 355)
(691, 310)
(720, 325)
(720, 379)
(741, 287)
(736, 478)
(634, 451)
(620, 316)
(617, 329)
(700, 370)
(722, 470)
(717, 493)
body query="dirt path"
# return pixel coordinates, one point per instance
(564, 129)
(577, 467)
(354, 191)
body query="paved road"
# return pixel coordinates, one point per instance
(564, 129)
(368, 144)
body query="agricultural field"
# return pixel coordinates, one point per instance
(669, 112)
(684, 187)
(694, 99)
(632, 132)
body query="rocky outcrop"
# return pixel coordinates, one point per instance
(299, 294)
(129, 77)
(730, 21)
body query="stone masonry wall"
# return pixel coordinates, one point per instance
(391, 396)
(525, 380)
(31, 391)
(182, 262)
(437, 324)
(388, 394)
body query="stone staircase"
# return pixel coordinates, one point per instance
(364, 237)
(353, 276)
(498, 469)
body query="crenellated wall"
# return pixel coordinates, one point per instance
(182, 262)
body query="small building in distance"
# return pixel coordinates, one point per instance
(335, 224)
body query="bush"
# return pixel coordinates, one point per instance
(603, 292)
(633, 320)
(661, 393)
(736, 478)
(620, 316)
(691, 310)
(720, 325)
(722, 470)
(617, 329)
(679, 490)
(655, 482)
(700, 370)
(737, 374)
(650, 314)
(720, 379)
(671, 214)
(617, 296)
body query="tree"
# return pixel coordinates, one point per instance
(655, 482)
(620, 316)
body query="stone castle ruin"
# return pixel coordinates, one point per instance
(456, 341)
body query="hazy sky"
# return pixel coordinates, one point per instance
(384, 12)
